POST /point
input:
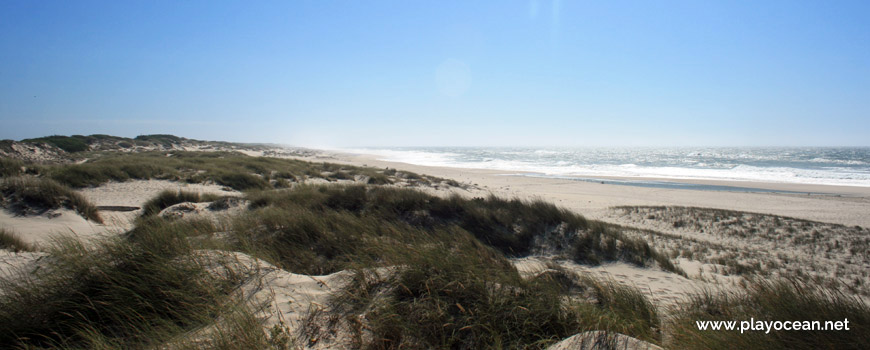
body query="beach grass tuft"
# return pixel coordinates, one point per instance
(772, 300)
(28, 194)
(132, 292)
(336, 222)
(10, 241)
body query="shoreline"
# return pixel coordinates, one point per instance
(846, 205)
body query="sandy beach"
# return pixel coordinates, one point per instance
(544, 175)
(845, 205)
(715, 240)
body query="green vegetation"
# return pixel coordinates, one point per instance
(426, 271)
(75, 143)
(165, 140)
(327, 227)
(10, 241)
(81, 143)
(619, 308)
(781, 300)
(25, 194)
(457, 296)
(462, 295)
(11, 167)
(234, 170)
(120, 293)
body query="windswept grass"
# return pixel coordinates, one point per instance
(169, 198)
(339, 220)
(119, 293)
(462, 295)
(10, 241)
(780, 300)
(239, 329)
(234, 170)
(11, 167)
(451, 296)
(619, 308)
(30, 194)
(607, 242)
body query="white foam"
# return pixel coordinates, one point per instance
(585, 163)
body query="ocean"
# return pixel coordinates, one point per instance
(815, 165)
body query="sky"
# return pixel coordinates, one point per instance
(441, 73)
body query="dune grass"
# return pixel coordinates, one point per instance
(456, 296)
(26, 194)
(453, 286)
(619, 308)
(11, 167)
(12, 242)
(463, 295)
(121, 293)
(779, 300)
(336, 223)
(169, 198)
(234, 170)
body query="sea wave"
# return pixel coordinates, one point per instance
(801, 166)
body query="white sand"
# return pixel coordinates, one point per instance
(845, 205)
(135, 193)
(286, 299)
(40, 229)
(840, 205)
(291, 298)
(665, 289)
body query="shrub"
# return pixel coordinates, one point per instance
(75, 143)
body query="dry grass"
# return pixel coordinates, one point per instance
(169, 198)
(127, 293)
(748, 244)
(328, 226)
(31, 195)
(231, 169)
(780, 300)
(12, 242)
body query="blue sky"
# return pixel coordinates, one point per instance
(464, 73)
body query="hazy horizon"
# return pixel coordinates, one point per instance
(483, 74)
